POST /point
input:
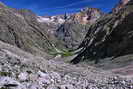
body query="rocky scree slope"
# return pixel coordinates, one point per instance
(111, 36)
(22, 70)
(20, 28)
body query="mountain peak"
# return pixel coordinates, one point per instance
(2, 5)
(88, 15)
(124, 2)
(120, 5)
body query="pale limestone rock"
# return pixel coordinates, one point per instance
(23, 76)
(44, 78)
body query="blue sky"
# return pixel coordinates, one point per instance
(55, 7)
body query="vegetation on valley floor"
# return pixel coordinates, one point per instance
(63, 52)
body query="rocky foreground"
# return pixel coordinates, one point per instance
(21, 70)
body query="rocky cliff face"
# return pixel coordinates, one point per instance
(71, 34)
(87, 16)
(120, 5)
(73, 31)
(111, 37)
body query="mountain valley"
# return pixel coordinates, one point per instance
(89, 49)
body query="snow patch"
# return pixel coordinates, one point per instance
(61, 21)
(18, 15)
(43, 19)
(53, 19)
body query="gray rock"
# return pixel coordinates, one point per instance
(8, 82)
(23, 76)
(44, 78)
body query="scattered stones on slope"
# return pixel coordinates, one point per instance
(21, 70)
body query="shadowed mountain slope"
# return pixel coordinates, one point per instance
(73, 31)
(111, 36)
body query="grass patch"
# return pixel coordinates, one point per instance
(4, 88)
(62, 52)
(5, 73)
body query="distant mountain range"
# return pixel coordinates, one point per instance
(45, 28)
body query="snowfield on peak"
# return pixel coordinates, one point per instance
(52, 19)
